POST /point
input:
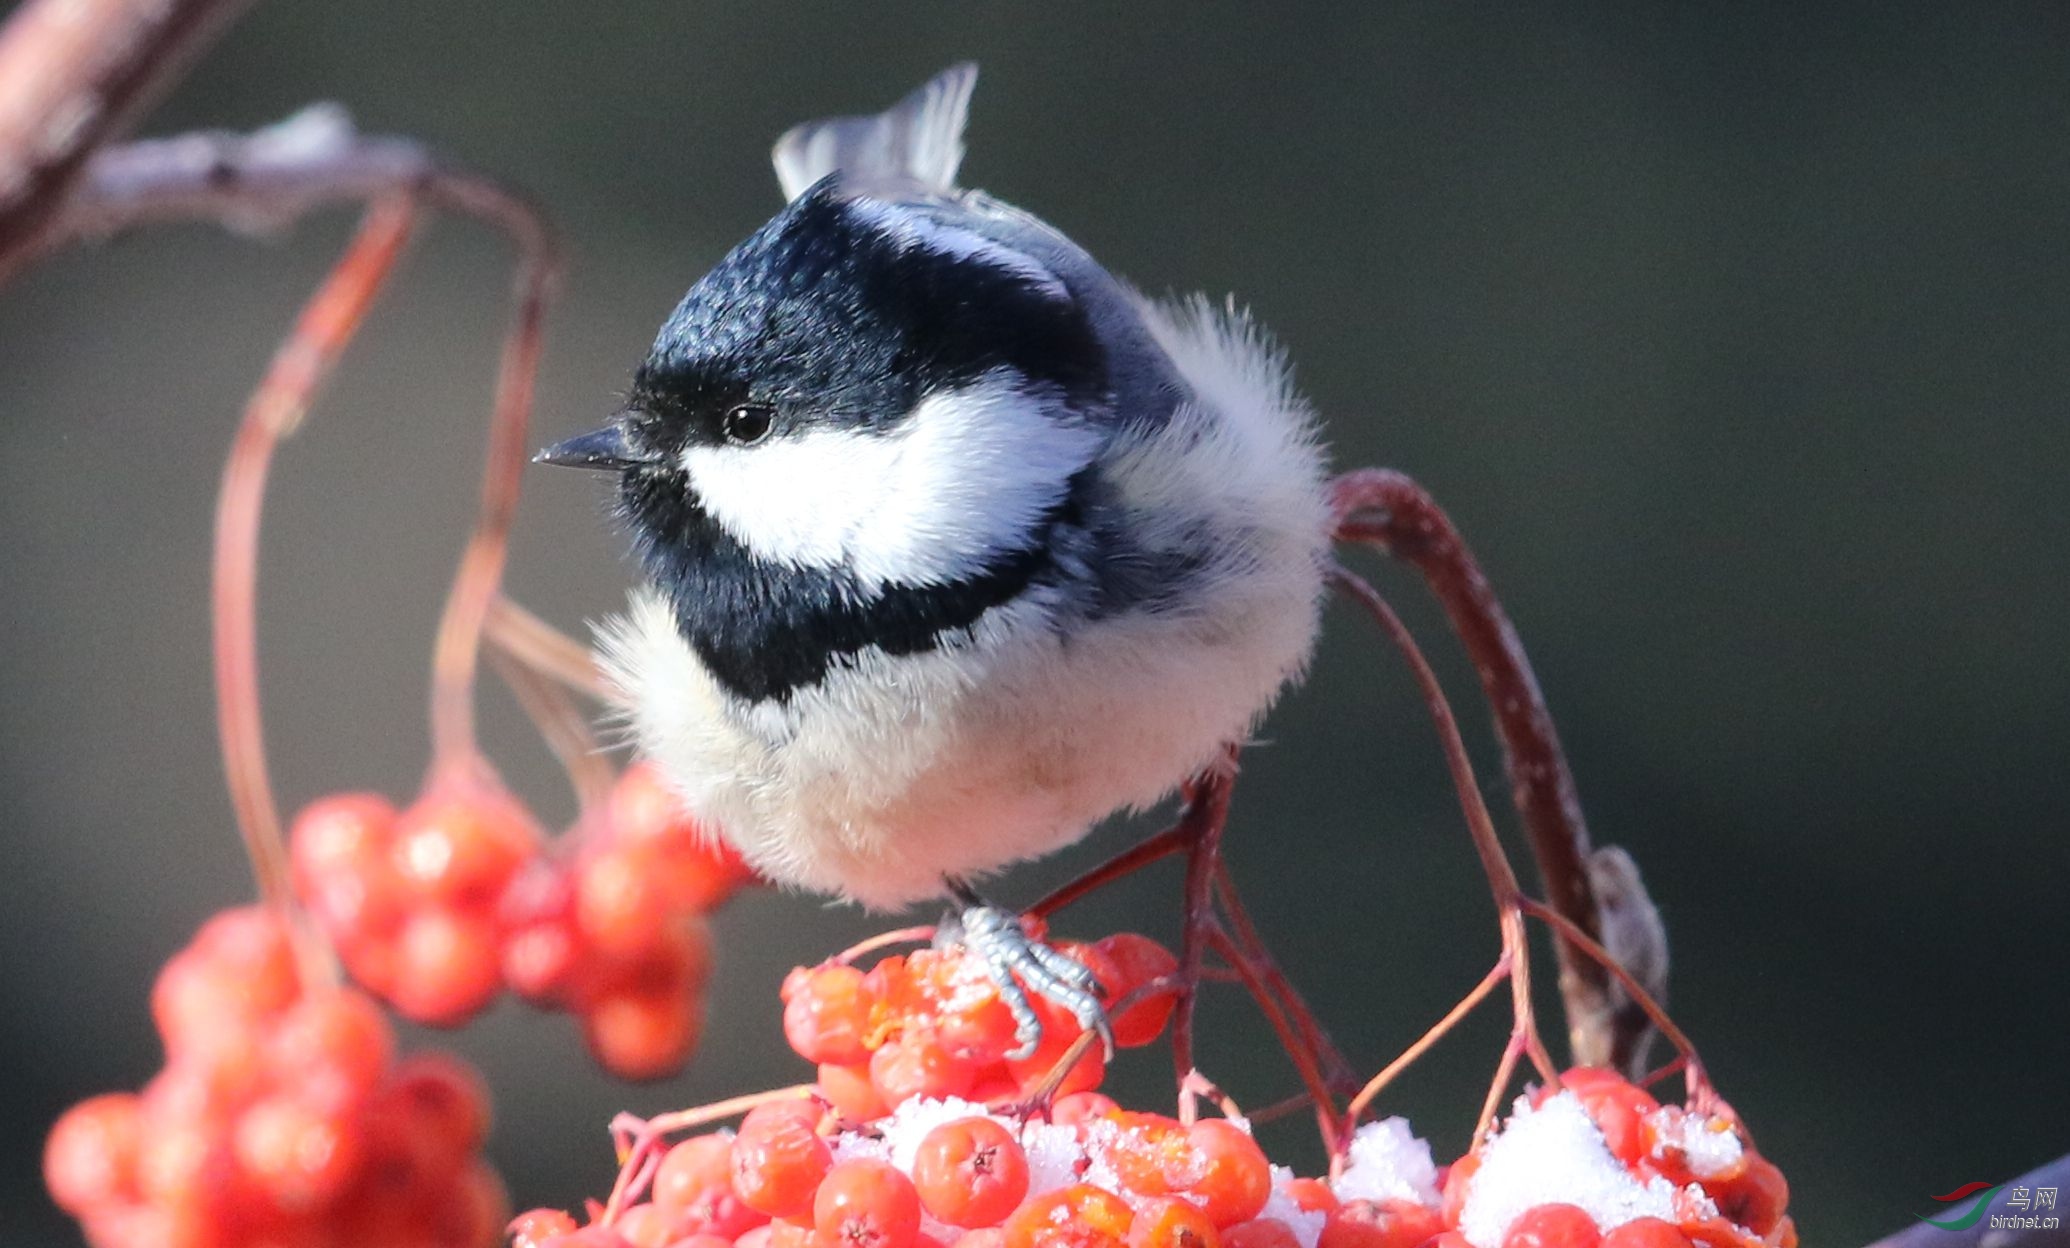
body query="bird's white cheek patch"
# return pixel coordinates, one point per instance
(967, 474)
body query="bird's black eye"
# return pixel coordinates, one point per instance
(747, 424)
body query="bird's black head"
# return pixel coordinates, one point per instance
(769, 445)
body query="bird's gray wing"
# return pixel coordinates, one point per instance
(918, 140)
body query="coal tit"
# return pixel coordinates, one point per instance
(956, 544)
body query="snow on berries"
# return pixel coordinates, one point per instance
(1595, 1163)
(440, 906)
(282, 1116)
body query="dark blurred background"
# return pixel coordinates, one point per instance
(1737, 341)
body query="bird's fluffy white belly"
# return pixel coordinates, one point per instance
(894, 772)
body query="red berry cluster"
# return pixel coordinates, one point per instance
(932, 1024)
(281, 1118)
(790, 1179)
(438, 907)
(898, 1149)
(1724, 1194)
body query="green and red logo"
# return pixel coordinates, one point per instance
(1980, 1192)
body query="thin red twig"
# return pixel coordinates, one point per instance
(1389, 510)
(1502, 879)
(327, 325)
(1207, 813)
(1127, 862)
(1300, 1054)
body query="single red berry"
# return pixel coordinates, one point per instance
(449, 966)
(532, 1228)
(619, 903)
(1311, 1195)
(1082, 1107)
(1139, 960)
(460, 843)
(444, 1100)
(1260, 1233)
(1552, 1225)
(1645, 1233)
(1379, 1224)
(1755, 1197)
(1457, 1185)
(1233, 1179)
(90, 1159)
(1165, 1222)
(644, 1035)
(866, 1204)
(849, 1090)
(300, 1157)
(1079, 1216)
(826, 1014)
(916, 1064)
(970, 1172)
(779, 1159)
(1619, 1109)
(333, 1046)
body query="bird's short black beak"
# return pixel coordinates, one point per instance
(605, 449)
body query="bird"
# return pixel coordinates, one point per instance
(952, 542)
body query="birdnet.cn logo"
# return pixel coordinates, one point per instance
(2023, 1211)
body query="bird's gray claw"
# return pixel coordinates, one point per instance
(1014, 959)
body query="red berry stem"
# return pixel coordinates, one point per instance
(1127, 862)
(1335, 1067)
(560, 723)
(1496, 975)
(457, 651)
(543, 648)
(1303, 1055)
(275, 410)
(1502, 878)
(1207, 813)
(1389, 510)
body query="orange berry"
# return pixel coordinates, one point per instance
(646, 1226)
(1645, 1233)
(444, 1100)
(644, 1035)
(970, 1172)
(866, 1204)
(826, 1014)
(1081, 1107)
(1311, 1195)
(1552, 1225)
(916, 1064)
(1619, 1109)
(299, 1156)
(849, 1090)
(90, 1159)
(460, 842)
(532, 1228)
(333, 1046)
(1260, 1233)
(1079, 1216)
(619, 904)
(1755, 1197)
(1379, 1224)
(1456, 1185)
(1163, 1222)
(1233, 1179)
(448, 966)
(1139, 960)
(779, 1159)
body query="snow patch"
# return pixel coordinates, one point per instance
(1388, 1162)
(1306, 1226)
(1710, 1145)
(1555, 1153)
